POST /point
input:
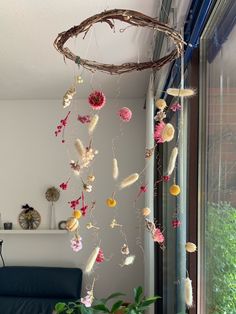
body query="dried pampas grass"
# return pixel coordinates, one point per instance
(188, 292)
(92, 125)
(80, 147)
(91, 261)
(181, 92)
(115, 169)
(129, 180)
(172, 161)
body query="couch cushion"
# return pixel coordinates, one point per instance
(14, 305)
(40, 282)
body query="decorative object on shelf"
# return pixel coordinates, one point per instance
(7, 225)
(62, 225)
(1, 243)
(52, 195)
(131, 17)
(29, 218)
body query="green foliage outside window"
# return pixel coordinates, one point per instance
(221, 259)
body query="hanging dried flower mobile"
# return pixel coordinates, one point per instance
(61, 127)
(97, 100)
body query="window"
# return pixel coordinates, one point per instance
(217, 185)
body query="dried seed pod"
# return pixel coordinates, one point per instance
(129, 180)
(188, 292)
(92, 125)
(80, 147)
(91, 261)
(182, 92)
(172, 161)
(115, 169)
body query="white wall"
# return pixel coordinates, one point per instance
(32, 159)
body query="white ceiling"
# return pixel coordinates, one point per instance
(30, 67)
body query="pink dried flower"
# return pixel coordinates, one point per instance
(166, 178)
(76, 244)
(164, 132)
(84, 207)
(84, 119)
(175, 107)
(64, 185)
(176, 223)
(125, 114)
(61, 127)
(97, 100)
(74, 203)
(100, 257)
(158, 236)
(86, 301)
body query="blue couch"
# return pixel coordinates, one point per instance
(36, 290)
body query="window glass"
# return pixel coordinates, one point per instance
(219, 193)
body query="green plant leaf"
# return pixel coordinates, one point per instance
(149, 301)
(112, 296)
(60, 307)
(116, 306)
(69, 311)
(137, 294)
(101, 307)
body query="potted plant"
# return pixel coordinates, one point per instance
(139, 305)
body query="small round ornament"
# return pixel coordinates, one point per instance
(190, 247)
(72, 224)
(77, 214)
(175, 190)
(111, 202)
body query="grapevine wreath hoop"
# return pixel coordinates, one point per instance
(133, 18)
